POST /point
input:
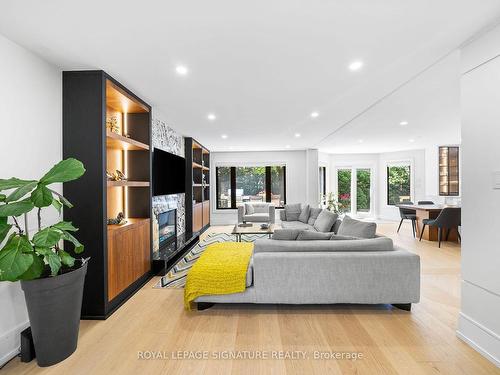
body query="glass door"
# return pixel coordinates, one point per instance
(354, 189)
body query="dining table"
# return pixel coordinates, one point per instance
(430, 211)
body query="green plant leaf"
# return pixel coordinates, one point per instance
(57, 205)
(16, 208)
(78, 246)
(4, 230)
(21, 192)
(64, 171)
(54, 263)
(66, 259)
(11, 183)
(35, 270)
(2, 197)
(41, 196)
(3, 220)
(65, 226)
(47, 237)
(15, 258)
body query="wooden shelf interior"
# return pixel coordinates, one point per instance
(127, 150)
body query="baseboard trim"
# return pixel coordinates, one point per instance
(482, 330)
(10, 343)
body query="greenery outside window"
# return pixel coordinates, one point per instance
(236, 186)
(398, 183)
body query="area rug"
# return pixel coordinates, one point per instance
(176, 277)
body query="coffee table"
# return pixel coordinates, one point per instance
(252, 229)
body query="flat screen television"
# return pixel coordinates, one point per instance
(169, 173)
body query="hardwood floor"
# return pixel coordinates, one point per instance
(391, 341)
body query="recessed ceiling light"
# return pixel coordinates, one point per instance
(411, 140)
(403, 123)
(314, 114)
(181, 70)
(211, 116)
(360, 141)
(224, 136)
(297, 135)
(287, 146)
(355, 65)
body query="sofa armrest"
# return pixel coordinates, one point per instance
(272, 214)
(282, 215)
(241, 213)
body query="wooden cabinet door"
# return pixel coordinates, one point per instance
(197, 217)
(129, 256)
(206, 213)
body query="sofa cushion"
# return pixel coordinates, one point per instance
(313, 215)
(260, 208)
(292, 211)
(309, 235)
(336, 226)
(304, 214)
(356, 228)
(249, 209)
(261, 218)
(335, 237)
(286, 234)
(296, 225)
(361, 245)
(325, 221)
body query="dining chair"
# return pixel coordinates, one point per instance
(425, 202)
(449, 218)
(408, 214)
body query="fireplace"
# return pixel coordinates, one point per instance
(167, 227)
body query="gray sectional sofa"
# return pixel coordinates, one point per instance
(302, 265)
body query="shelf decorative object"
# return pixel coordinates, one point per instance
(112, 124)
(118, 220)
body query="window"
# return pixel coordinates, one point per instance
(363, 178)
(398, 184)
(238, 185)
(322, 184)
(344, 189)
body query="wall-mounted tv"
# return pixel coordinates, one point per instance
(169, 173)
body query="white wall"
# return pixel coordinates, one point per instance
(30, 143)
(479, 321)
(296, 176)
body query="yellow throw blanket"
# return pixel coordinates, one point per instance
(221, 269)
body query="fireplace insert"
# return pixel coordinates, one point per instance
(167, 223)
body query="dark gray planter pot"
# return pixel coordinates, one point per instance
(54, 305)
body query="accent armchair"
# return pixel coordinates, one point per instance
(257, 213)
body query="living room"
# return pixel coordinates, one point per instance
(249, 188)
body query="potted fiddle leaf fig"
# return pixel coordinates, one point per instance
(51, 278)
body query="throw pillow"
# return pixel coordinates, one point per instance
(286, 234)
(356, 228)
(338, 237)
(336, 226)
(310, 235)
(313, 215)
(325, 221)
(304, 214)
(292, 211)
(249, 209)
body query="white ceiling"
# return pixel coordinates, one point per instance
(263, 66)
